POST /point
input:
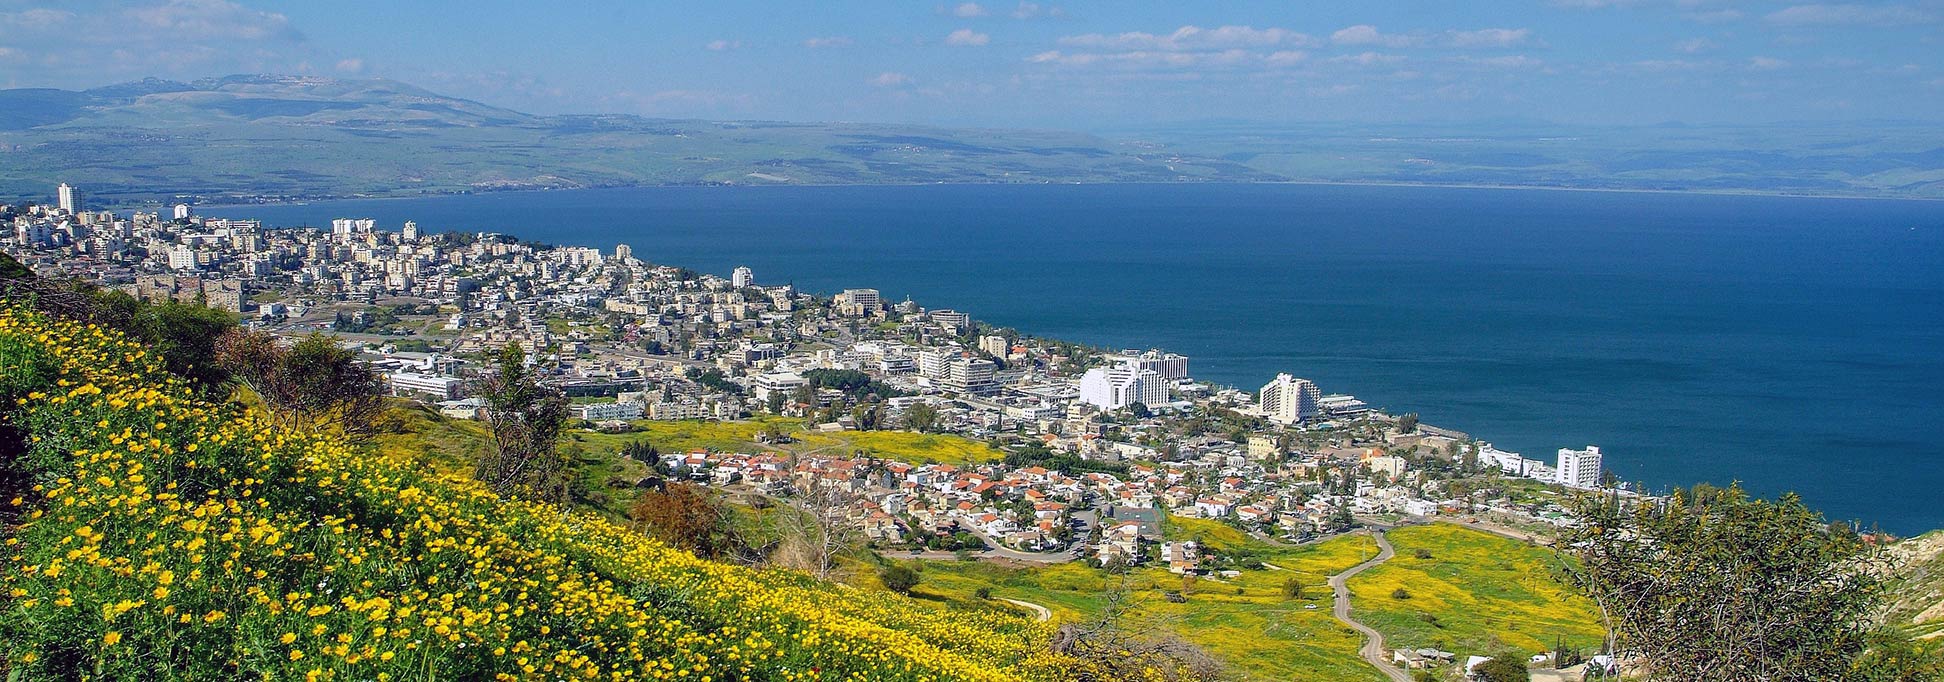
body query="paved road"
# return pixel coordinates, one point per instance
(1373, 648)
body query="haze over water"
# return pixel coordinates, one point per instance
(1789, 343)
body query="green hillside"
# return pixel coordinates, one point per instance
(151, 535)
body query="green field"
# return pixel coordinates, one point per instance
(740, 436)
(1257, 632)
(1477, 593)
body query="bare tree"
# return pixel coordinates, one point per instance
(526, 420)
(816, 528)
(1109, 651)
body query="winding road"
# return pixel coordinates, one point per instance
(1042, 613)
(1373, 648)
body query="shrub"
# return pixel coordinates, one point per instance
(1400, 593)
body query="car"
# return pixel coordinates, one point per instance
(1311, 607)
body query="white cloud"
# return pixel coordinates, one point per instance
(1766, 63)
(1192, 38)
(1285, 57)
(1034, 10)
(724, 45)
(969, 10)
(35, 19)
(1694, 45)
(1368, 59)
(1366, 34)
(1172, 59)
(200, 19)
(1848, 15)
(1517, 61)
(1719, 16)
(351, 65)
(891, 79)
(966, 37)
(1490, 37)
(832, 41)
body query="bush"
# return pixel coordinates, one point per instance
(1422, 554)
(1292, 588)
(899, 578)
(1400, 593)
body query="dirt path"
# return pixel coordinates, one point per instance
(1373, 648)
(1044, 614)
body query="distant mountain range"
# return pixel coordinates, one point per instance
(272, 138)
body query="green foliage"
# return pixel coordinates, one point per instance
(525, 420)
(1711, 584)
(1504, 667)
(1894, 656)
(313, 384)
(899, 578)
(921, 417)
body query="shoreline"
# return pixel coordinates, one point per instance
(1319, 183)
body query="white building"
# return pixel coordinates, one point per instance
(1168, 365)
(970, 375)
(70, 199)
(1289, 400)
(616, 410)
(182, 257)
(343, 228)
(410, 233)
(994, 345)
(411, 383)
(861, 302)
(1112, 388)
(742, 277)
(623, 252)
(181, 211)
(1579, 468)
(777, 382)
(951, 319)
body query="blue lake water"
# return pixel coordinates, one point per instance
(1788, 343)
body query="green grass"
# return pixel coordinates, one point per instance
(1259, 634)
(740, 436)
(1476, 593)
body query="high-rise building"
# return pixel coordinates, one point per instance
(1289, 400)
(70, 199)
(995, 345)
(410, 233)
(861, 302)
(1113, 388)
(1579, 468)
(970, 375)
(1168, 365)
(951, 319)
(623, 252)
(181, 211)
(742, 277)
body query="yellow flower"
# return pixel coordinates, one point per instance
(111, 639)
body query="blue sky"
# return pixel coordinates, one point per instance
(1075, 65)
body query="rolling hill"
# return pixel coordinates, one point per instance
(249, 138)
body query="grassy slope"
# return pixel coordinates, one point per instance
(185, 538)
(740, 436)
(1484, 591)
(1258, 632)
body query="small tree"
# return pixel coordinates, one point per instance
(686, 516)
(1407, 423)
(1400, 594)
(899, 578)
(1292, 588)
(1505, 667)
(313, 384)
(525, 420)
(921, 417)
(1711, 585)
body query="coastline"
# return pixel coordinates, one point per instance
(1298, 182)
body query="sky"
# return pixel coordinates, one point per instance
(1070, 65)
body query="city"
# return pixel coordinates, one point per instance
(1083, 441)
